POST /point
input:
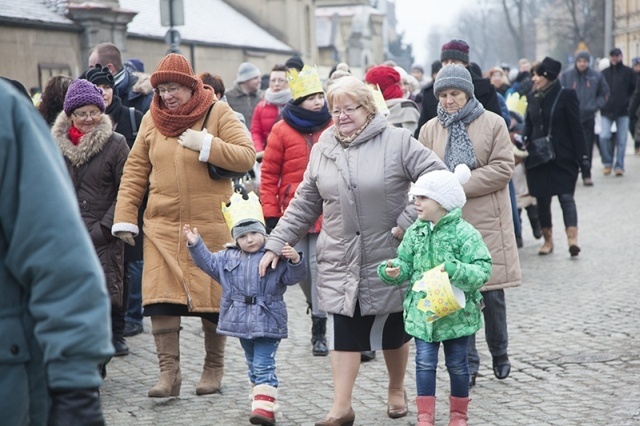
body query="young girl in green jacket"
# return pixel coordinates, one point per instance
(441, 237)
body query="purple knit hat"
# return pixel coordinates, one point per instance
(81, 93)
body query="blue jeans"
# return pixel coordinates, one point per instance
(495, 328)
(134, 312)
(261, 360)
(455, 358)
(607, 148)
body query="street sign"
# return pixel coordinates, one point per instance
(171, 13)
(172, 37)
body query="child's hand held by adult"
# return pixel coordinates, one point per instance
(290, 253)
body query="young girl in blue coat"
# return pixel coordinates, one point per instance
(252, 307)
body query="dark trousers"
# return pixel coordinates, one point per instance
(590, 137)
(495, 328)
(569, 210)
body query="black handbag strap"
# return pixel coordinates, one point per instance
(206, 117)
(553, 108)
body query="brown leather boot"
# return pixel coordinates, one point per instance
(547, 247)
(458, 411)
(572, 239)
(168, 349)
(213, 361)
(426, 410)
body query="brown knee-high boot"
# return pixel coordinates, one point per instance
(168, 349)
(213, 360)
(547, 247)
(572, 239)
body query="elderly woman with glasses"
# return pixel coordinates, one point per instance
(358, 178)
(185, 130)
(95, 156)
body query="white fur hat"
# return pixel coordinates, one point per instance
(444, 187)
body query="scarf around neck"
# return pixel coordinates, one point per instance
(172, 123)
(304, 120)
(75, 135)
(540, 94)
(277, 98)
(346, 140)
(459, 149)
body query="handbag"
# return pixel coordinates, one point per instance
(541, 149)
(216, 172)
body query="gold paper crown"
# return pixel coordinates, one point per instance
(305, 82)
(379, 99)
(239, 210)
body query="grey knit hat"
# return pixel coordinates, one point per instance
(246, 72)
(247, 226)
(453, 77)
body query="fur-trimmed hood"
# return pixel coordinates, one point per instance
(90, 144)
(143, 83)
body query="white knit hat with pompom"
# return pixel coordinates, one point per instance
(444, 187)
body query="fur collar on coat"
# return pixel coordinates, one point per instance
(90, 144)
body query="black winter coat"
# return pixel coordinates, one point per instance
(558, 176)
(622, 84)
(121, 117)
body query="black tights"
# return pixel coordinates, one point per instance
(569, 211)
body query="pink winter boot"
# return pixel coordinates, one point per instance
(426, 410)
(458, 411)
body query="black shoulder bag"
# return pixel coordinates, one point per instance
(216, 172)
(541, 149)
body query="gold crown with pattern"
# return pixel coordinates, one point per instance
(305, 82)
(239, 209)
(381, 105)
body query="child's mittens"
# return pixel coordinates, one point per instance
(450, 268)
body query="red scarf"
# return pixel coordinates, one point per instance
(75, 135)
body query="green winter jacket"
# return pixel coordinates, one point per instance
(451, 240)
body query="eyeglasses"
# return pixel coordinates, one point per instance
(84, 115)
(172, 90)
(347, 111)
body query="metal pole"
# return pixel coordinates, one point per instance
(608, 27)
(173, 48)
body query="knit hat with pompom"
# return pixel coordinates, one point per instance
(174, 68)
(387, 78)
(81, 93)
(444, 187)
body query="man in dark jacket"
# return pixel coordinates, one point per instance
(134, 90)
(457, 52)
(54, 308)
(622, 83)
(593, 92)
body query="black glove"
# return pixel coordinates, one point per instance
(75, 407)
(271, 223)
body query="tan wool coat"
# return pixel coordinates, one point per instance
(181, 191)
(488, 206)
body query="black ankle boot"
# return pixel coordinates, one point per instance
(501, 366)
(318, 336)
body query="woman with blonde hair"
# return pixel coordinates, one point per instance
(357, 178)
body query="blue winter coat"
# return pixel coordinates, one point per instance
(54, 309)
(251, 306)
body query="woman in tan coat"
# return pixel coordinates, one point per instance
(186, 128)
(463, 132)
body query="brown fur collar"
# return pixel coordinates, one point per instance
(90, 144)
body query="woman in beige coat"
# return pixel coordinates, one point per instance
(185, 129)
(463, 132)
(358, 177)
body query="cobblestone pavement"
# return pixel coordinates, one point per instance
(574, 343)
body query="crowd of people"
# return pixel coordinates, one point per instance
(360, 187)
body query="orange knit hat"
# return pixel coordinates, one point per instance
(174, 68)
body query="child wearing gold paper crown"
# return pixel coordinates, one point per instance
(252, 308)
(441, 238)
